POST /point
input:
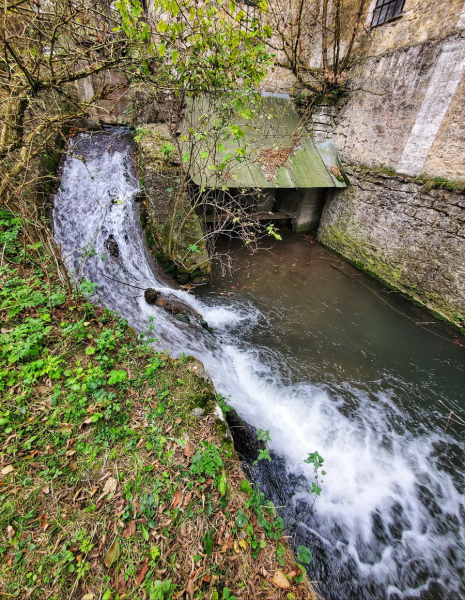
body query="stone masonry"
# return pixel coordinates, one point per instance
(406, 232)
(322, 122)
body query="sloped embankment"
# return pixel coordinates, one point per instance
(117, 480)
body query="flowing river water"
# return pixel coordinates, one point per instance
(323, 357)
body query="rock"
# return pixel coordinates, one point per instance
(112, 246)
(173, 305)
(200, 371)
(150, 295)
(244, 435)
(197, 413)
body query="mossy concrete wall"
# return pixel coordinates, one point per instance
(406, 232)
(173, 223)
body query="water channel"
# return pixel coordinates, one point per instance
(322, 356)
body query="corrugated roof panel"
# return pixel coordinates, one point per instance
(268, 141)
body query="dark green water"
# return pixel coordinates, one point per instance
(338, 363)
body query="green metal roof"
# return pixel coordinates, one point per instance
(270, 137)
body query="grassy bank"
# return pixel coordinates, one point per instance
(110, 487)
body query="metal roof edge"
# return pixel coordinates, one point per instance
(330, 156)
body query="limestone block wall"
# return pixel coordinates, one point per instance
(113, 109)
(405, 232)
(406, 107)
(323, 122)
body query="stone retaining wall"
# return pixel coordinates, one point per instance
(404, 231)
(169, 206)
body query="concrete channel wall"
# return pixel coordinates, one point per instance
(404, 231)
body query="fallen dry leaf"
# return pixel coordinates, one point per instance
(140, 576)
(73, 465)
(10, 532)
(87, 421)
(177, 420)
(190, 588)
(292, 574)
(46, 490)
(187, 499)
(280, 580)
(7, 469)
(43, 522)
(88, 597)
(188, 450)
(122, 582)
(176, 499)
(129, 530)
(109, 488)
(112, 555)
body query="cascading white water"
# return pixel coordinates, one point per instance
(390, 521)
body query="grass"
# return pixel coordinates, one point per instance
(110, 488)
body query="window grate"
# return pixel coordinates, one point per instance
(385, 10)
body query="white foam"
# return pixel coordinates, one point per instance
(373, 464)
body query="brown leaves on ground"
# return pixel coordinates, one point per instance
(113, 554)
(190, 586)
(109, 489)
(43, 522)
(188, 450)
(130, 529)
(280, 580)
(143, 571)
(176, 499)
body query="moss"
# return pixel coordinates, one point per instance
(354, 249)
(428, 183)
(381, 170)
(440, 183)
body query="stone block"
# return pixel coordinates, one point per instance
(427, 215)
(410, 211)
(325, 119)
(320, 127)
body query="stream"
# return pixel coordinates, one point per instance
(322, 356)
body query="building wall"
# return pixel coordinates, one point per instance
(408, 112)
(405, 111)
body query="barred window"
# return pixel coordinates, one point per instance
(385, 10)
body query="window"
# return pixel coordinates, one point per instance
(385, 10)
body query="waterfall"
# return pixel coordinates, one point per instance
(388, 523)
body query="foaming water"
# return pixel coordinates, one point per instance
(389, 522)
(332, 368)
